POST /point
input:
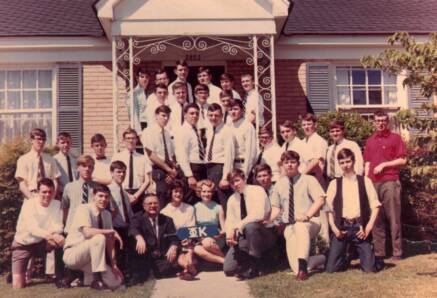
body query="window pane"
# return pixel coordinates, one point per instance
(29, 99)
(343, 75)
(390, 95)
(358, 76)
(389, 79)
(14, 79)
(344, 95)
(45, 99)
(359, 95)
(14, 100)
(2, 101)
(2, 79)
(374, 77)
(12, 125)
(375, 97)
(29, 79)
(45, 79)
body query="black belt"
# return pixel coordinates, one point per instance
(351, 221)
(213, 164)
(240, 160)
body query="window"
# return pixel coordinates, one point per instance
(357, 86)
(26, 102)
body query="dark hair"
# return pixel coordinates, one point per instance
(101, 188)
(148, 195)
(178, 85)
(234, 174)
(63, 136)
(38, 132)
(215, 107)
(336, 124)
(265, 130)
(160, 71)
(226, 93)
(141, 70)
(160, 86)
(163, 109)
(247, 75)
(98, 138)
(191, 106)
(181, 62)
(175, 185)
(117, 165)
(204, 69)
(129, 131)
(226, 77)
(309, 117)
(345, 153)
(290, 155)
(236, 102)
(201, 87)
(380, 113)
(262, 167)
(47, 182)
(288, 124)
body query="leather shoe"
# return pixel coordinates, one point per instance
(248, 274)
(99, 285)
(301, 276)
(62, 283)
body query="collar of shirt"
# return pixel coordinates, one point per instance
(382, 134)
(94, 209)
(295, 178)
(238, 123)
(35, 154)
(350, 177)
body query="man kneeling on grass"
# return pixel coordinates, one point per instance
(39, 230)
(90, 239)
(354, 208)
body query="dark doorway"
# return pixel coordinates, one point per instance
(216, 71)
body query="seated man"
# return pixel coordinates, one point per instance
(90, 239)
(353, 215)
(156, 242)
(246, 235)
(39, 229)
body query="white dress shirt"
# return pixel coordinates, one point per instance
(271, 156)
(257, 206)
(183, 216)
(119, 221)
(176, 117)
(152, 139)
(187, 148)
(203, 116)
(151, 109)
(141, 167)
(172, 98)
(351, 196)
(101, 169)
(214, 94)
(298, 146)
(235, 95)
(61, 162)
(314, 147)
(245, 136)
(223, 148)
(344, 143)
(254, 102)
(36, 221)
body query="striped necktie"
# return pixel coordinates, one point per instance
(200, 144)
(84, 193)
(291, 202)
(211, 145)
(332, 162)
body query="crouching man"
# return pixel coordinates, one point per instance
(39, 230)
(354, 207)
(91, 242)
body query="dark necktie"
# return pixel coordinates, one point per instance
(166, 155)
(211, 145)
(260, 157)
(226, 116)
(244, 99)
(131, 170)
(100, 157)
(332, 162)
(70, 172)
(286, 146)
(100, 221)
(84, 193)
(182, 113)
(291, 202)
(41, 172)
(123, 201)
(243, 210)
(199, 144)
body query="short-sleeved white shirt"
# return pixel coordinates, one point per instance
(141, 167)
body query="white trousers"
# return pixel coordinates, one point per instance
(89, 257)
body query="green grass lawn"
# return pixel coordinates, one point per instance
(415, 276)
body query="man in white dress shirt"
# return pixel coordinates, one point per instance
(181, 70)
(227, 84)
(161, 95)
(101, 173)
(177, 107)
(246, 235)
(220, 151)
(269, 152)
(225, 101)
(65, 161)
(337, 134)
(140, 100)
(252, 101)
(138, 169)
(245, 136)
(288, 132)
(204, 77)
(201, 94)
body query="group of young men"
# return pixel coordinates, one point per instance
(106, 222)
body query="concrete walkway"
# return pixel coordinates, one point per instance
(207, 284)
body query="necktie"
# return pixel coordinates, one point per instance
(211, 145)
(100, 157)
(166, 155)
(286, 146)
(41, 172)
(332, 162)
(199, 144)
(202, 109)
(244, 99)
(131, 170)
(182, 113)
(123, 201)
(100, 221)
(260, 157)
(226, 116)
(243, 210)
(70, 172)
(84, 193)
(291, 203)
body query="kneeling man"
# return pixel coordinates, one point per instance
(91, 243)
(354, 208)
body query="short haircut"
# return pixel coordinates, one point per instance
(345, 153)
(265, 130)
(226, 77)
(176, 184)
(236, 102)
(38, 132)
(117, 165)
(140, 71)
(46, 182)
(181, 62)
(226, 93)
(160, 71)
(215, 107)
(204, 69)
(262, 167)
(380, 113)
(288, 124)
(191, 106)
(234, 174)
(247, 75)
(163, 109)
(178, 85)
(98, 138)
(310, 117)
(290, 155)
(63, 136)
(129, 131)
(101, 188)
(201, 87)
(160, 86)
(336, 124)
(149, 195)
(85, 160)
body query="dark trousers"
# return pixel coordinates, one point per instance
(158, 176)
(141, 264)
(122, 255)
(337, 260)
(199, 172)
(137, 206)
(214, 172)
